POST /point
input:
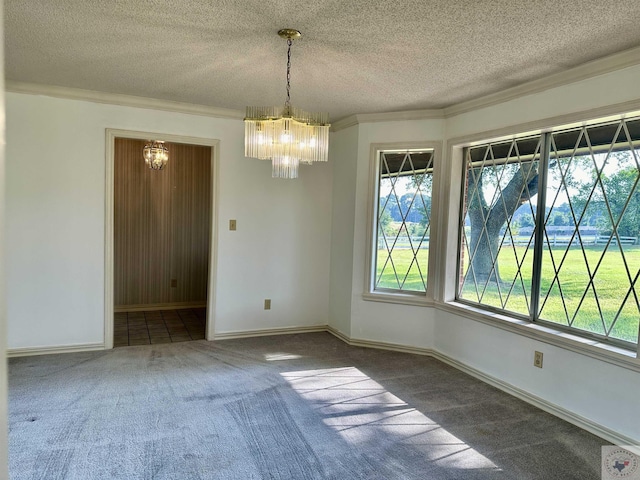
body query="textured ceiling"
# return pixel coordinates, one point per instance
(354, 56)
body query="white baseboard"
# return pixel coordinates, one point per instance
(269, 331)
(560, 412)
(337, 333)
(396, 347)
(158, 306)
(29, 351)
(556, 410)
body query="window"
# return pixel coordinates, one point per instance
(402, 220)
(550, 229)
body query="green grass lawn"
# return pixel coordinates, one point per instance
(404, 267)
(610, 286)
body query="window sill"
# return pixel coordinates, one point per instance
(398, 298)
(602, 351)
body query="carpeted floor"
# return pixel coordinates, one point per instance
(285, 407)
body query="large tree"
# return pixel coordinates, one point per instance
(487, 216)
(489, 205)
(623, 199)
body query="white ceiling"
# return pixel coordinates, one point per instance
(359, 56)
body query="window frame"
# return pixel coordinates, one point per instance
(395, 295)
(455, 179)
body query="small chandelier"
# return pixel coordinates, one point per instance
(286, 135)
(155, 154)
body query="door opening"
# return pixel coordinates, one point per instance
(160, 241)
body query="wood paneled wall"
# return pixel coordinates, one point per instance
(162, 223)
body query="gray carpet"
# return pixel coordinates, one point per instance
(284, 407)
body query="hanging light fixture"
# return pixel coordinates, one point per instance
(286, 135)
(155, 154)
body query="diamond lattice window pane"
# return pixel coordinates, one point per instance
(627, 323)
(589, 269)
(498, 224)
(404, 219)
(592, 227)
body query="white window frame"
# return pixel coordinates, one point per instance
(450, 185)
(398, 296)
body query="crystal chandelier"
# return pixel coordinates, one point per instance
(286, 135)
(155, 154)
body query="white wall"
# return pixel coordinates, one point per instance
(3, 312)
(610, 89)
(601, 392)
(577, 383)
(55, 216)
(55, 240)
(343, 151)
(411, 325)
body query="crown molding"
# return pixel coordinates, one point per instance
(425, 114)
(121, 100)
(350, 121)
(600, 66)
(345, 122)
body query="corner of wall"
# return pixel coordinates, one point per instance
(343, 152)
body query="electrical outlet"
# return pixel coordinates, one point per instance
(267, 304)
(174, 282)
(232, 224)
(537, 359)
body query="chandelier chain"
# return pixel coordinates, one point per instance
(288, 137)
(287, 103)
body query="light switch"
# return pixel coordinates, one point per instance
(232, 224)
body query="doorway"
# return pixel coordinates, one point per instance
(161, 241)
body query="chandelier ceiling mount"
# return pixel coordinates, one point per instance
(286, 135)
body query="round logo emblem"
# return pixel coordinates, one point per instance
(620, 464)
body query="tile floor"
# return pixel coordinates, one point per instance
(166, 326)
